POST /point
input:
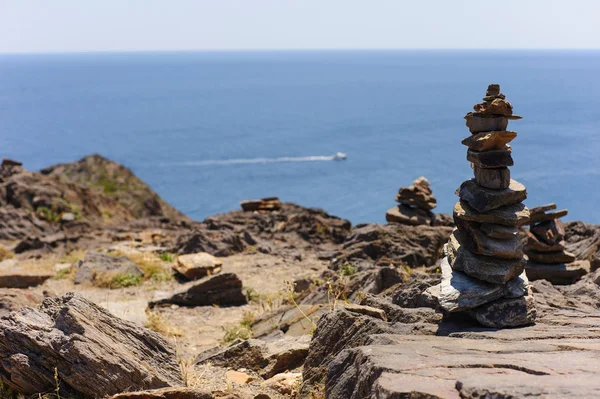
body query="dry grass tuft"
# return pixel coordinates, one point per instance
(156, 322)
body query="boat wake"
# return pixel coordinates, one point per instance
(318, 158)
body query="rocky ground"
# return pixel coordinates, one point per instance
(99, 297)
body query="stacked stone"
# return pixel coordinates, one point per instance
(548, 259)
(416, 203)
(262, 205)
(483, 273)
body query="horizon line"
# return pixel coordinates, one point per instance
(284, 50)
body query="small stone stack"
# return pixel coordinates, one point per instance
(484, 270)
(416, 203)
(262, 205)
(545, 248)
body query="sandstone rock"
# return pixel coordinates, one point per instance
(497, 179)
(491, 159)
(551, 257)
(404, 214)
(79, 339)
(95, 264)
(166, 393)
(14, 276)
(478, 123)
(365, 310)
(486, 141)
(222, 289)
(551, 231)
(499, 231)
(492, 270)
(238, 377)
(511, 215)
(558, 274)
(459, 291)
(479, 243)
(507, 312)
(266, 358)
(283, 383)
(485, 200)
(195, 266)
(535, 244)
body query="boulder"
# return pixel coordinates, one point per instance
(484, 199)
(511, 215)
(496, 178)
(491, 158)
(267, 358)
(486, 141)
(492, 270)
(222, 290)
(195, 266)
(79, 339)
(558, 274)
(404, 214)
(96, 264)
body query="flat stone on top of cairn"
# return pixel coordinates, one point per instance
(548, 259)
(483, 272)
(416, 203)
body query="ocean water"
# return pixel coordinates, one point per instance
(207, 130)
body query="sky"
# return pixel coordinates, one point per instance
(171, 25)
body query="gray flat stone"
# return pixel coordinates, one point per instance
(479, 243)
(499, 231)
(507, 312)
(489, 140)
(484, 199)
(497, 179)
(558, 274)
(511, 215)
(492, 158)
(492, 270)
(405, 214)
(551, 257)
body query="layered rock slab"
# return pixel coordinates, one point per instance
(95, 353)
(484, 199)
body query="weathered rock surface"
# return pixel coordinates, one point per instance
(485, 200)
(558, 274)
(535, 244)
(96, 264)
(14, 276)
(511, 215)
(477, 124)
(459, 291)
(223, 290)
(195, 266)
(489, 140)
(404, 214)
(267, 358)
(494, 178)
(492, 158)
(479, 243)
(492, 270)
(507, 312)
(499, 231)
(79, 339)
(12, 299)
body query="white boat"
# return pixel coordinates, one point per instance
(339, 156)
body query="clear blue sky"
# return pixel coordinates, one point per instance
(124, 25)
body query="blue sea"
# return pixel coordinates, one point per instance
(207, 130)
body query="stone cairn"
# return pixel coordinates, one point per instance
(416, 203)
(262, 205)
(545, 248)
(483, 272)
